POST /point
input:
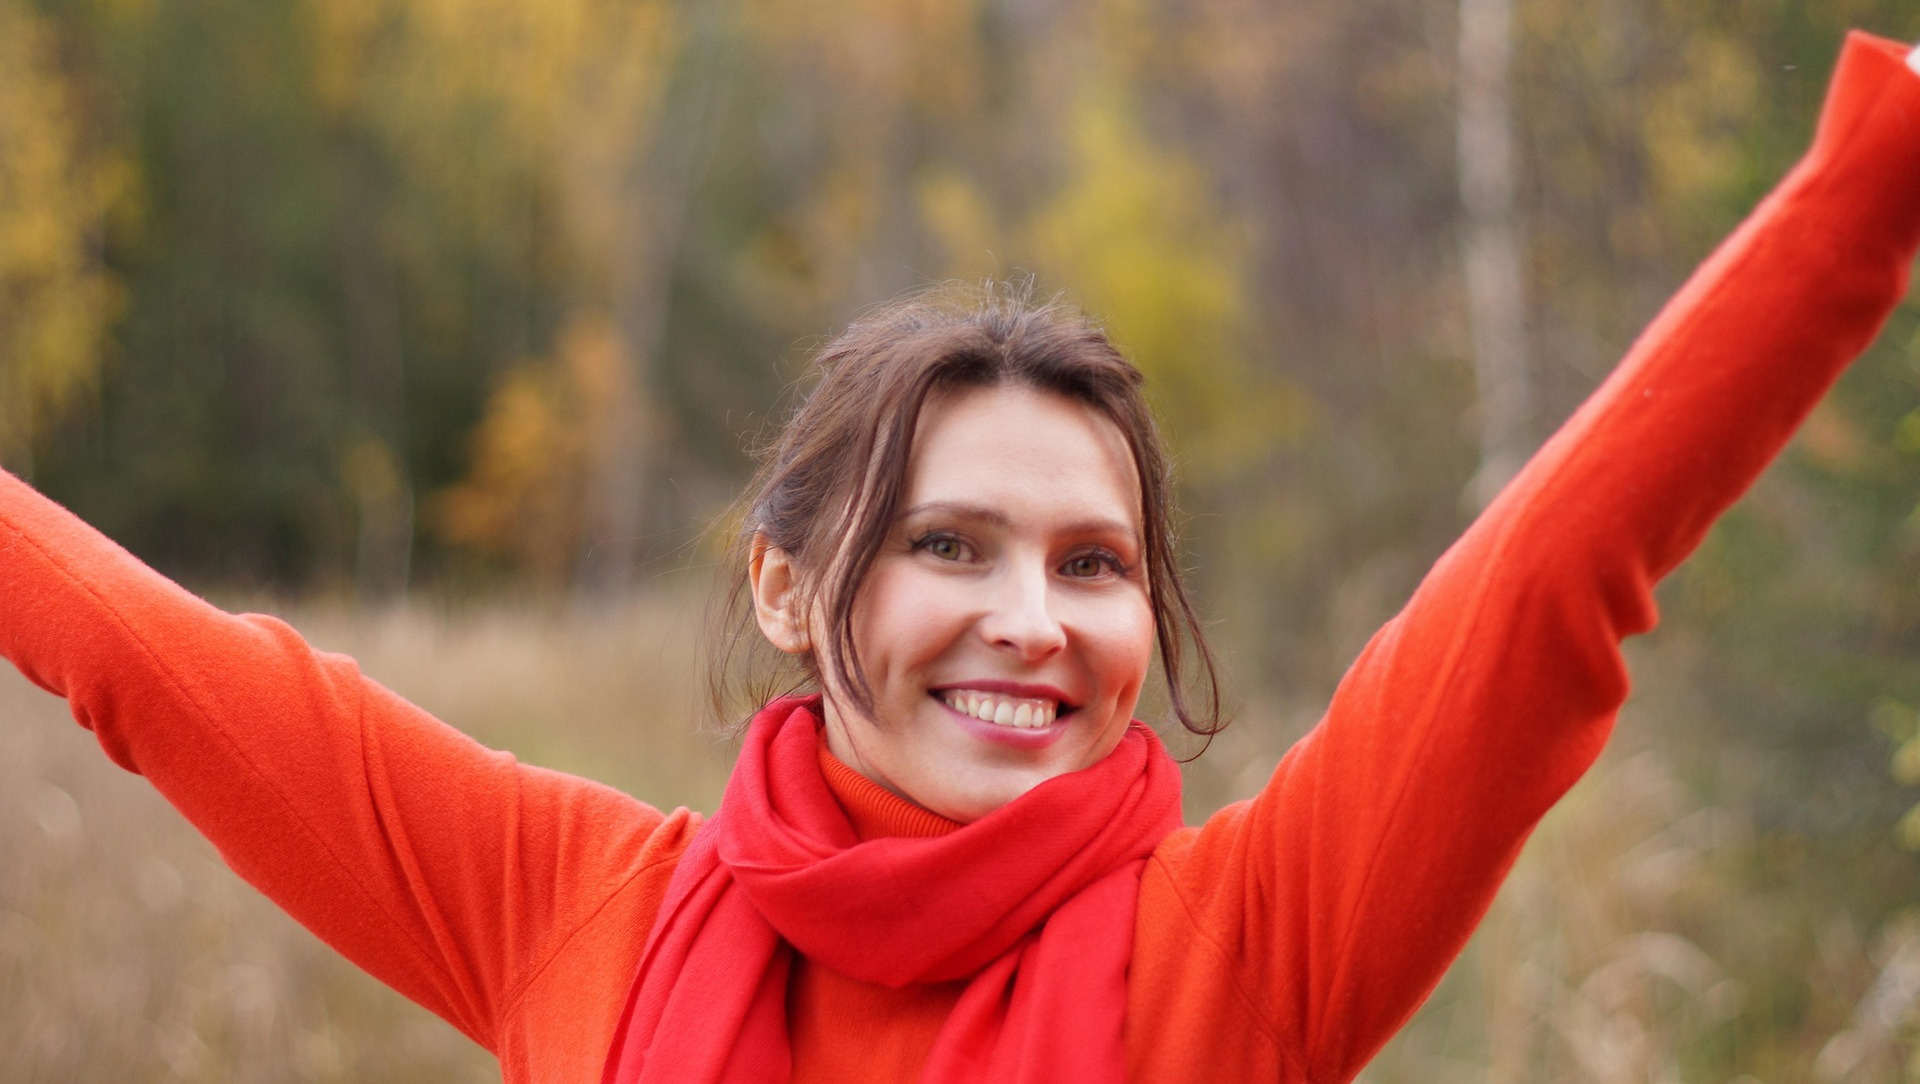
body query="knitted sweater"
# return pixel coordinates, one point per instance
(1284, 939)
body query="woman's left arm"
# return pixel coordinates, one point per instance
(1339, 895)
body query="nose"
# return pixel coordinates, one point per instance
(1020, 616)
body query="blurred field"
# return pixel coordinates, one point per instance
(1621, 950)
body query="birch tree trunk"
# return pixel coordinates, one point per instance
(1491, 246)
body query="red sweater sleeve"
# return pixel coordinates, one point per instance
(1337, 897)
(449, 871)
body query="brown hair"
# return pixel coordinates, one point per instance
(829, 487)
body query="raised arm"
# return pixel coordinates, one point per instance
(449, 871)
(1339, 895)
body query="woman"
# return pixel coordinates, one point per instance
(963, 860)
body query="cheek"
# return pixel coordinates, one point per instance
(1140, 643)
(1120, 635)
(904, 620)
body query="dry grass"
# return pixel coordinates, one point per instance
(128, 953)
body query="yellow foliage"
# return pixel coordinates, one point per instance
(523, 498)
(1137, 233)
(1908, 830)
(518, 60)
(55, 300)
(962, 220)
(1906, 435)
(1901, 723)
(1135, 226)
(1693, 125)
(1895, 720)
(341, 33)
(566, 89)
(1906, 762)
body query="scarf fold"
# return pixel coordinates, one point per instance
(1033, 905)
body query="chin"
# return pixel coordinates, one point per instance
(969, 804)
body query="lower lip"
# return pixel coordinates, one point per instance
(1038, 737)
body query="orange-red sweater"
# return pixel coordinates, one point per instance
(1285, 939)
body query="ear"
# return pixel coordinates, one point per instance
(777, 598)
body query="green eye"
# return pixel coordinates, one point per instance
(944, 546)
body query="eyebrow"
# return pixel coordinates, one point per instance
(994, 517)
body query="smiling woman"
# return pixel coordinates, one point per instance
(958, 856)
(963, 537)
(828, 496)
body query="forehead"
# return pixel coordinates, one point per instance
(1031, 454)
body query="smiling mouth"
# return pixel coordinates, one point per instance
(1019, 713)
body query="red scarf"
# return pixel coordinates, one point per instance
(1033, 904)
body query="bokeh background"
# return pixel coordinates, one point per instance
(442, 328)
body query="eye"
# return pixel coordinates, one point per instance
(1086, 566)
(944, 546)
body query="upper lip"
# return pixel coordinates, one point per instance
(1017, 689)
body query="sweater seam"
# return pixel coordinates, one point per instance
(180, 687)
(1261, 1012)
(517, 994)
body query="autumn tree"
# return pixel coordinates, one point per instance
(58, 183)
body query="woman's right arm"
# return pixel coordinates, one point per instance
(449, 871)
(1337, 897)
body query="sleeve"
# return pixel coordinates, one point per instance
(447, 870)
(1344, 889)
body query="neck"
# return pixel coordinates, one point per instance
(877, 812)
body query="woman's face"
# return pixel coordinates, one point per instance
(1005, 625)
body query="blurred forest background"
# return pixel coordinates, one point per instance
(441, 327)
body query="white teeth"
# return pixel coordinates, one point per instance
(1022, 714)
